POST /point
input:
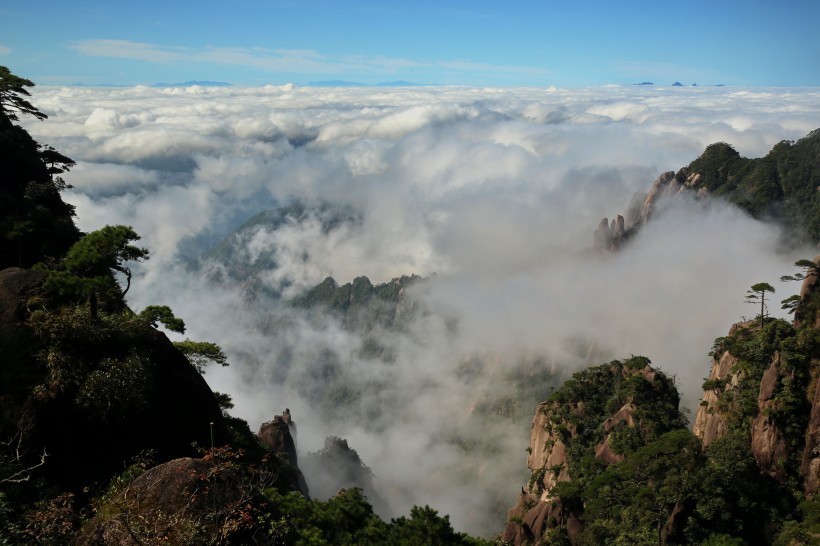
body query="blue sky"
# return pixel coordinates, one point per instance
(479, 42)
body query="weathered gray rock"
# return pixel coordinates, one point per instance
(768, 443)
(710, 424)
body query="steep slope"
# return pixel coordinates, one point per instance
(95, 393)
(35, 222)
(361, 305)
(595, 419)
(780, 187)
(611, 461)
(763, 385)
(337, 466)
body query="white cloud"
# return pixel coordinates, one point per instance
(497, 191)
(293, 61)
(124, 49)
(4, 50)
(275, 60)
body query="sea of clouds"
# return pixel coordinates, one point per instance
(495, 191)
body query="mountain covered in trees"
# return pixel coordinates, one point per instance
(782, 187)
(613, 461)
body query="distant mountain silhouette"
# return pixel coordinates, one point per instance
(201, 83)
(344, 83)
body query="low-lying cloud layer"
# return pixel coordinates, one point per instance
(496, 191)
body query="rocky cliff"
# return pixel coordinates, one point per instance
(780, 187)
(763, 385)
(337, 467)
(592, 421)
(611, 235)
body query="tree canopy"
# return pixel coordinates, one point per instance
(12, 91)
(757, 294)
(35, 223)
(87, 269)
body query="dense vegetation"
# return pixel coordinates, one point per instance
(781, 186)
(668, 488)
(35, 223)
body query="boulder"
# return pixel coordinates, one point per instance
(183, 501)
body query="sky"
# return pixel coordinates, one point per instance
(476, 43)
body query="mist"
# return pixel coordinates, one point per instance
(491, 195)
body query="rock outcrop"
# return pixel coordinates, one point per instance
(643, 206)
(337, 466)
(17, 286)
(810, 461)
(810, 465)
(768, 442)
(561, 433)
(277, 436)
(786, 388)
(710, 424)
(183, 501)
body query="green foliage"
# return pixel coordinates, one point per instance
(780, 185)
(733, 496)
(425, 526)
(87, 269)
(720, 539)
(805, 529)
(154, 314)
(224, 400)
(201, 353)
(715, 385)
(804, 308)
(348, 520)
(667, 489)
(85, 357)
(757, 294)
(603, 391)
(116, 387)
(631, 502)
(737, 395)
(35, 223)
(809, 270)
(12, 91)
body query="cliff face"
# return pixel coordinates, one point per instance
(279, 436)
(642, 206)
(601, 413)
(810, 464)
(765, 386)
(780, 186)
(710, 424)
